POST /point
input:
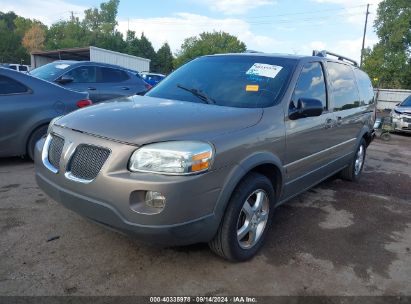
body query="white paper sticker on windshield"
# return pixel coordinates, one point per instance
(62, 66)
(265, 70)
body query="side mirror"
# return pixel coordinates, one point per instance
(65, 79)
(306, 107)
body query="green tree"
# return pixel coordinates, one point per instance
(206, 44)
(145, 49)
(12, 31)
(67, 34)
(389, 61)
(131, 41)
(164, 60)
(103, 20)
(101, 25)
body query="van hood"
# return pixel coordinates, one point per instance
(141, 119)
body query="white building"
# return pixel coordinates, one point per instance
(387, 99)
(91, 53)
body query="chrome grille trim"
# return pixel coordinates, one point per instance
(50, 140)
(86, 163)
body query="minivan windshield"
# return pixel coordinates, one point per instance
(240, 81)
(49, 71)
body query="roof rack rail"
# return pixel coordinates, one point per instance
(324, 53)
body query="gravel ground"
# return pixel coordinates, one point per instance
(339, 238)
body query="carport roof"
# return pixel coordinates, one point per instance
(79, 54)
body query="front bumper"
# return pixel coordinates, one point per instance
(403, 123)
(187, 218)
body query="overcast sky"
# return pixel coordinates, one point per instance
(275, 26)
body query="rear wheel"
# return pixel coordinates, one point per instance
(354, 170)
(34, 138)
(247, 219)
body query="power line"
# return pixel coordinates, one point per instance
(180, 22)
(309, 12)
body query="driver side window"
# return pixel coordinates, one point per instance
(83, 74)
(310, 84)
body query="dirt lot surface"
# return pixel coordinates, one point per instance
(339, 238)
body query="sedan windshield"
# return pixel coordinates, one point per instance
(406, 102)
(49, 71)
(233, 80)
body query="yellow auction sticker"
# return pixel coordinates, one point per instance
(252, 88)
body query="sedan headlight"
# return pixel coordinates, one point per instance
(50, 127)
(395, 114)
(173, 157)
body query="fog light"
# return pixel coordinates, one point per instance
(155, 200)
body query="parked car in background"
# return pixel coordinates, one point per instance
(401, 116)
(152, 78)
(17, 67)
(207, 159)
(102, 81)
(27, 105)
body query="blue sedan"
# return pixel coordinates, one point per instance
(27, 105)
(102, 81)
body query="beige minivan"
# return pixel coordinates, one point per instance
(210, 152)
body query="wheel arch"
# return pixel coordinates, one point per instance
(368, 137)
(264, 163)
(42, 124)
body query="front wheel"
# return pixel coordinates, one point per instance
(247, 219)
(354, 170)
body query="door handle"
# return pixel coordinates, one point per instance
(125, 88)
(339, 121)
(328, 123)
(91, 89)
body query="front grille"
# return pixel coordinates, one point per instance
(55, 150)
(87, 161)
(406, 119)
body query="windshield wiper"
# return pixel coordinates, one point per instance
(201, 95)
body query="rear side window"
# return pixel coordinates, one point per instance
(13, 67)
(83, 74)
(345, 91)
(112, 75)
(365, 88)
(23, 68)
(310, 84)
(11, 86)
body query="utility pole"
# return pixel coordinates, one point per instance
(365, 32)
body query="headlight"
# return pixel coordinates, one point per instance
(396, 114)
(173, 157)
(52, 123)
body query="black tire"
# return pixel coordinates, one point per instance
(34, 138)
(386, 136)
(225, 242)
(350, 173)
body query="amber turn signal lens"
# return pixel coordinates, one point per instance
(199, 166)
(202, 156)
